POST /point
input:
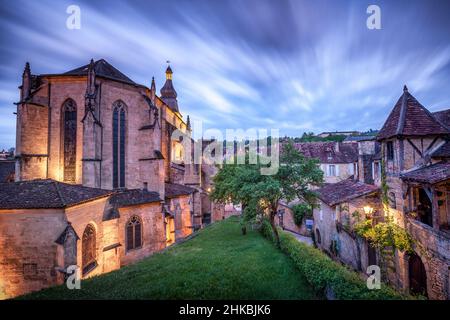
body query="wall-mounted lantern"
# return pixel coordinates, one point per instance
(368, 210)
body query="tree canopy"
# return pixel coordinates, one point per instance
(260, 194)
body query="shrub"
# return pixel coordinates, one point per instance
(300, 211)
(323, 273)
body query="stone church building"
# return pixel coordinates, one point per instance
(99, 181)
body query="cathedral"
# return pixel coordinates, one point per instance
(99, 180)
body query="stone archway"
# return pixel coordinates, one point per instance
(417, 275)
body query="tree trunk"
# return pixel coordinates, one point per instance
(243, 227)
(274, 228)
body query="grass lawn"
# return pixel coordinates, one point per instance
(219, 263)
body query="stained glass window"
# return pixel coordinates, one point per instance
(69, 114)
(119, 133)
(134, 233)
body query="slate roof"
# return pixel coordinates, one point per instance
(7, 170)
(410, 118)
(335, 193)
(432, 174)
(62, 237)
(359, 138)
(133, 197)
(326, 151)
(103, 69)
(168, 93)
(40, 194)
(443, 151)
(443, 116)
(174, 190)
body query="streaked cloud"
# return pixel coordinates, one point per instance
(292, 65)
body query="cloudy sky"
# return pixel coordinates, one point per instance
(290, 65)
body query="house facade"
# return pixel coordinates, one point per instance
(100, 180)
(412, 153)
(338, 161)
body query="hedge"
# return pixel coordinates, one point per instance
(326, 275)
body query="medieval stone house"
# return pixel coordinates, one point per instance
(338, 161)
(413, 147)
(100, 183)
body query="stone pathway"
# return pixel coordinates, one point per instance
(301, 238)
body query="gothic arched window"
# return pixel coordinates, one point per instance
(119, 127)
(88, 244)
(69, 120)
(134, 233)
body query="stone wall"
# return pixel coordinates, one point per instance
(434, 250)
(31, 142)
(28, 254)
(153, 232)
(343, 171)
(180, 206)
(61, 90)
(325, 222)
(92, 213)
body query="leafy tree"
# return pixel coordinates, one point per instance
(260, 194)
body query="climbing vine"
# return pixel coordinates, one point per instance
(387, 233)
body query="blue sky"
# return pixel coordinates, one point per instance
(291, 65)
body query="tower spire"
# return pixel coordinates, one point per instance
(188, 123)
(168, 93)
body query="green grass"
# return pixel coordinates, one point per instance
(219, 263)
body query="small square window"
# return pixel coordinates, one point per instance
(331, 170)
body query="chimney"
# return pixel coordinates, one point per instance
(145, 187)
(336, 147)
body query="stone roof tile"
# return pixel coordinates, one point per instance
(431, 174)
(410, 118)
(327, 152)
(335, 193)
(174, 190)
(133, 197)
(40, 194)
(103, 69)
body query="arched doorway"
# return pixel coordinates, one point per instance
(417, 276)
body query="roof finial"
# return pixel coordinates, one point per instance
(153, 85)
(405, 88)
(168, 71)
